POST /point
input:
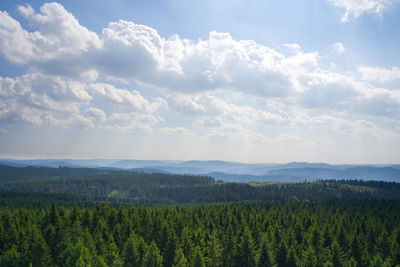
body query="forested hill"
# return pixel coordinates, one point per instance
(155, 188)
(31, 173)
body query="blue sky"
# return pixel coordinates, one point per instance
(252, 81)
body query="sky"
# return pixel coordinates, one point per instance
(248, 81)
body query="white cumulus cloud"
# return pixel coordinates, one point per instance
(338, 48)
(96, 114)
(356, 8)
(176, 131)
(379, 74)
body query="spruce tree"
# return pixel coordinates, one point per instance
(180, 259)
(152, 258)
(337, 255)
(309, 258)
(214, 252)
(264, 257)
(134, 250)
(245, 255)
(281, 255)
(197, 259)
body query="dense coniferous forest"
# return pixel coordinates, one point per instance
(303, 233)
(89, 217)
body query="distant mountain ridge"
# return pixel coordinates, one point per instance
(228, 171)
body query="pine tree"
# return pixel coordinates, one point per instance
(112, 255)
(245, 255)
(134, 250)
(292, 259)
(214, 255)
(152, 258)
(309, 258)
(358, 251)
(180, 259)
(11, 258)
(100, 262)
(264, 257)
(337, 254)
(229, 247)
(197, 259)
(168, 245)
(281, 255)
(39, 252)
(85, 259)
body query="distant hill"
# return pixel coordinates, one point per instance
(31, 173)
(228, 171)
(358, 172)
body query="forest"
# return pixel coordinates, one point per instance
(160, 188)
(85, 217)
(302, 233)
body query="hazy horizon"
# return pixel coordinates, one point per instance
(240, 81)
(204, 160)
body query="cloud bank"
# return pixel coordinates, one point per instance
(218, 87)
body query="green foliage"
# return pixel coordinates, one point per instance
(264, 256)
(246, 249)
(10, 258)
(180, 259)
(134, 251)
(214, 251)
(281, 255)
(301, 233)
(197, 259)
(152, 258)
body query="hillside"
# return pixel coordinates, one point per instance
(144, 186)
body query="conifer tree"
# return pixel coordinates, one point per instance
(152, 258)
(197, 258)
(214, 252)
(39, 252)
(246, 250)
(292, 259)
(180, 259)
(11, 258)
(264, 257)
(337, 254)
(134, 250)
(168, 245)
(309, 258)
(229, 246)
(112, 257)
(281, 255)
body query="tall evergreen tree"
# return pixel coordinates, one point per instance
(281, 255)
(197, 258)
(112, 257)
(264, 257)
(152, 258)
(245, 254)
(214, 252)
(292, 258)
(337, 255)
(309, 258)
(180, 259)
(229, 244)
(134, 251)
